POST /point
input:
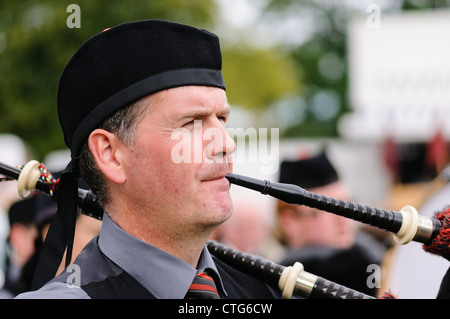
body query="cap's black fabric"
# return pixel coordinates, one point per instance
(312, 172)
(22, 211)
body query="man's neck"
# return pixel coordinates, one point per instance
(183, 246)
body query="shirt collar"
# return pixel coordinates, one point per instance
(164, 275)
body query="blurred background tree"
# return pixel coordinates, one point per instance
(320, 56)
(36, 43)
(319, 53)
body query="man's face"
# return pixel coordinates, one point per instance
(176, 167)
(304, 225)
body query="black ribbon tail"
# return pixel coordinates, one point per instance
(61, 232)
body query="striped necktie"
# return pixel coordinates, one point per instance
(202, 287)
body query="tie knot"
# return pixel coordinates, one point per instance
(202, 287)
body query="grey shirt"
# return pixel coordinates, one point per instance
(164, 275)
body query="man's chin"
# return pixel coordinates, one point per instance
(224, 210)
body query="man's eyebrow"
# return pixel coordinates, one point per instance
(200, 112)
(204, 112)
(225, 110)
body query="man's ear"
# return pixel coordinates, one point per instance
(107, 151)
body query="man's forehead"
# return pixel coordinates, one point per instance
(191, 100)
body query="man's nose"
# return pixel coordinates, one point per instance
(218, 142)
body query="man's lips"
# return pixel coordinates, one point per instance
(215, 178)
(219, 180)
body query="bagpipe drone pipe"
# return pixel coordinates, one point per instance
(407, 225)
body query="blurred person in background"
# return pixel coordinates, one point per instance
(246, 229)
(326, 244)
(14, 153)
(44, 210)
(22, 235)
(249, 229)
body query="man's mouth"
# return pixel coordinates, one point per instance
(218, 180)
(214, 178)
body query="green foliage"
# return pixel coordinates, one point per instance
(35, 45)
(321, 61)
(257, 77)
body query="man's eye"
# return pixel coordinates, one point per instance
(223, 119)
(189, 123)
